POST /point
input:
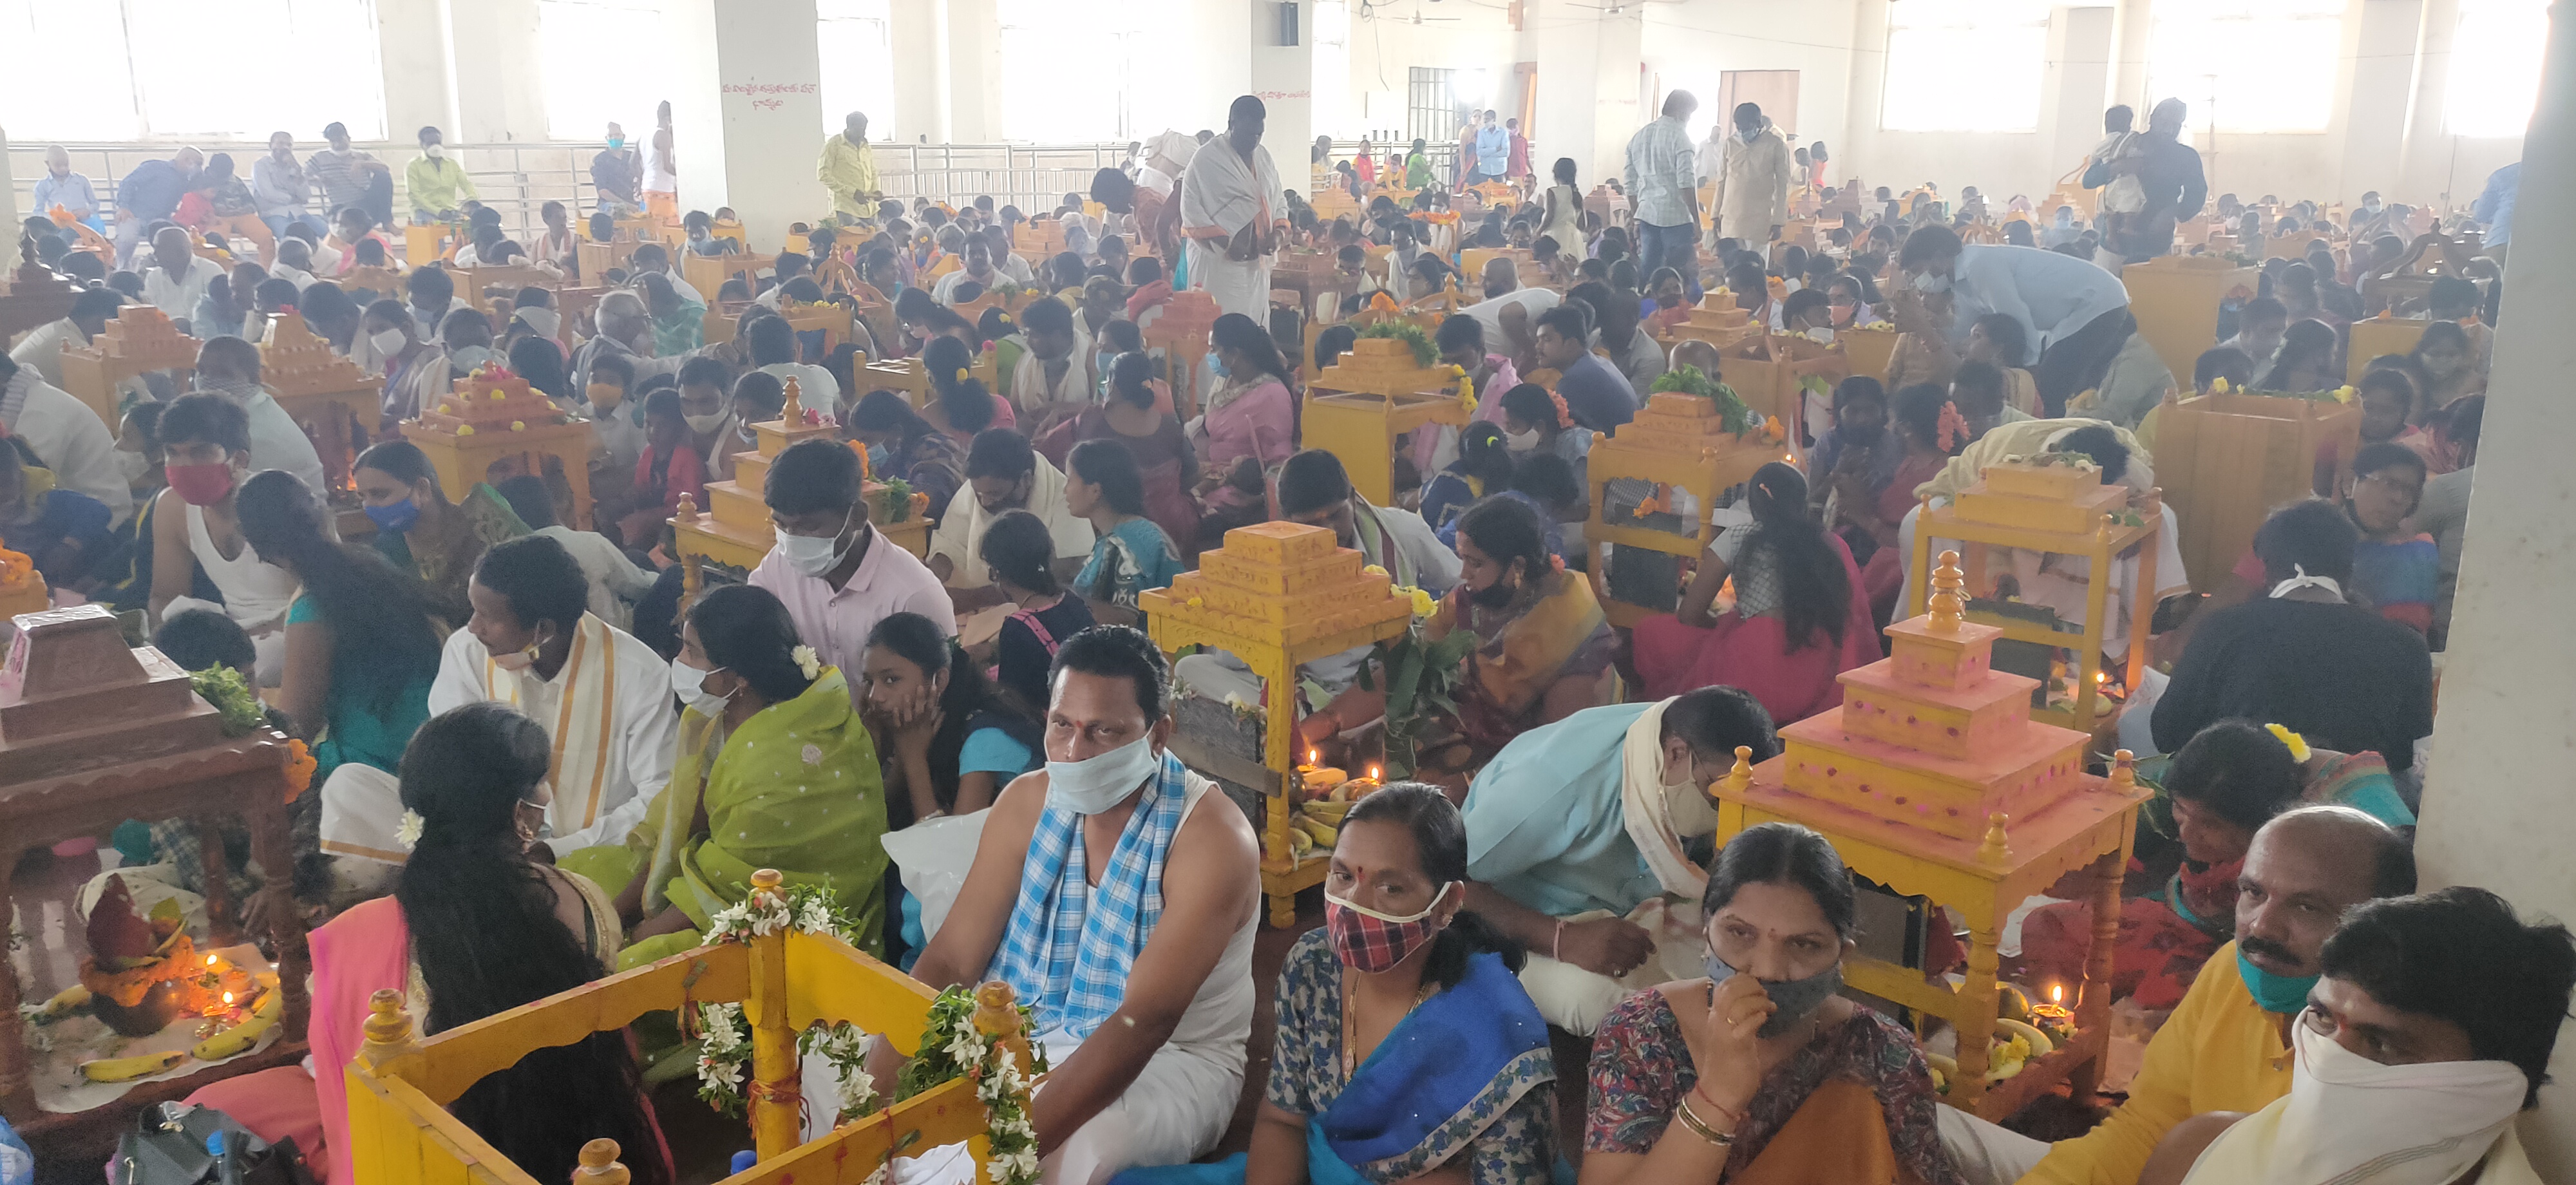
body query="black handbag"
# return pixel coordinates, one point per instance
(170, 1146)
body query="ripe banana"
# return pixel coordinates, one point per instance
(65, 1002)
(1323, 833)
(242, 1036)
(127, 1069)
(1948, 1066)
(2040, 1045)
(1327, 809)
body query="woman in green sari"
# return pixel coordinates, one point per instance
(775, 770)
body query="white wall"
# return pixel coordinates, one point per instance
(1688, 45)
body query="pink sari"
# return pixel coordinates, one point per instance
(1753, 653)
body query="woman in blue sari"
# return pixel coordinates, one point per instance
(1405, 1041)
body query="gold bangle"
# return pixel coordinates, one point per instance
(1700, 1127)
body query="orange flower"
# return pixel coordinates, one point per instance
(300, 767)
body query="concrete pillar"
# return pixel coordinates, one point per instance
(1588, 79)
(1283, 77)
(8, 205)
(1619, 106)
(1859, 157)
(917, 33)
(2423, 155)
(2496, 809)
(757, 153)
(2079, 73)
(412, 44)
(2133, 24)
(974, 71)
(495, 64)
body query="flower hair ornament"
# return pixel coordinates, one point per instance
(806, 662)
(2298, 745)
(407, 833)
(961, 374)
(1564, 414)
(1954, 428)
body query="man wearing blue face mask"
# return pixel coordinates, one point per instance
(615, 172)
(2074, 313)
(1142, 983)
(837, 575)
(2227, 1047)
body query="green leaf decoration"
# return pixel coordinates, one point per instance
(1424, 353)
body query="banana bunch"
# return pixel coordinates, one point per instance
(65, 1002)
(242, 1036)
(2015, 1044)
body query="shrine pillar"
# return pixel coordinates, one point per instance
(1283, 77)
(2496, 812)
(756, 150)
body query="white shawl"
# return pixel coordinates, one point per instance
(1655, 820)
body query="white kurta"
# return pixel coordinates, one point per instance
(642, 730)
(1221, 194)
(961, 530)
(68, 436)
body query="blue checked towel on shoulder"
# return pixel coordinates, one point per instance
(1065, 956)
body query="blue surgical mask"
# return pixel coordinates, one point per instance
(879, 456)
(1794, 998)
(2284, 994)
(617, 141)
(396, 517)
(1216, 366)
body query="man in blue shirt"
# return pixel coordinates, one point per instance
(1597, 395)
(1576, 824)
(60, 186)
(2075, 314)
(151, 193)
(2494, 208)
(1493, 150)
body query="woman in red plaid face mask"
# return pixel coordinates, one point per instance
(1400, 1014)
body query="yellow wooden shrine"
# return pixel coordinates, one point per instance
(1181, 333)
(734, 529)
(1276, 595)
(707, 273)
(400, 1084)
(1677, 441)
(139, 340)
(1933, 779)
(911, 378)
(1358, 406)
(2232, 459)
(1714, 320)
(492, 416)
(332, 398)
(1770, 372)
(2062, 510)
(2176, 299)
(1868, 351)
(2371, 337)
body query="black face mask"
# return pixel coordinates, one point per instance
(1864, 436)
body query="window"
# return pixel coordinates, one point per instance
(1964, 65)
(2495, 66)
(1432, 111)
(138, 69)
(2247, 65)
(595, 73)
(858, 62)
(1079, 74)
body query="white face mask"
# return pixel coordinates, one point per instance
(814, 555)
(1689, 809)
(2348, 1117)
(131, 466)
(388, 342)
(1930, 282)
(435, 152)
(1749, 133)
(469, 358)
(689, 683)
(1521, 442)
(1101, 781)
(705, 424)
(544, 321)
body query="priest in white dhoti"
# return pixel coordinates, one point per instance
(1232, 213)
(603, 697)
(1579, 844)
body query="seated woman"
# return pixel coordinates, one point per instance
(360, 649)
(1406, 1047)
(1130, 553)
(423, 533)
(1484, 466)
(1761, 1073)
(2307, 362)
(774, 770)
(1542, 645)
(1800, 615)
(475, 927)
(1928, 430)
(960, 405)
(1165, 462)
(1250, 425)
(1021, 553)
(902, 445)
(1536, 420)
(946, 740)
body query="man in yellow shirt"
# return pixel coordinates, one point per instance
(437, 184)
(849, 170)
(2226, 1048)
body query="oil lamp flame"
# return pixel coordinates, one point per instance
(2057, 993)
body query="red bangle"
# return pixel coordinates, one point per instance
(1734, 1118)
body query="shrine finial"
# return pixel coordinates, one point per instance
(1949, 605)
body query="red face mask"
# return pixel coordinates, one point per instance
(1368, 941)
(201, 485)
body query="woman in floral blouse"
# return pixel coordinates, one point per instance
(1767, 1075)
(1406, 1044)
